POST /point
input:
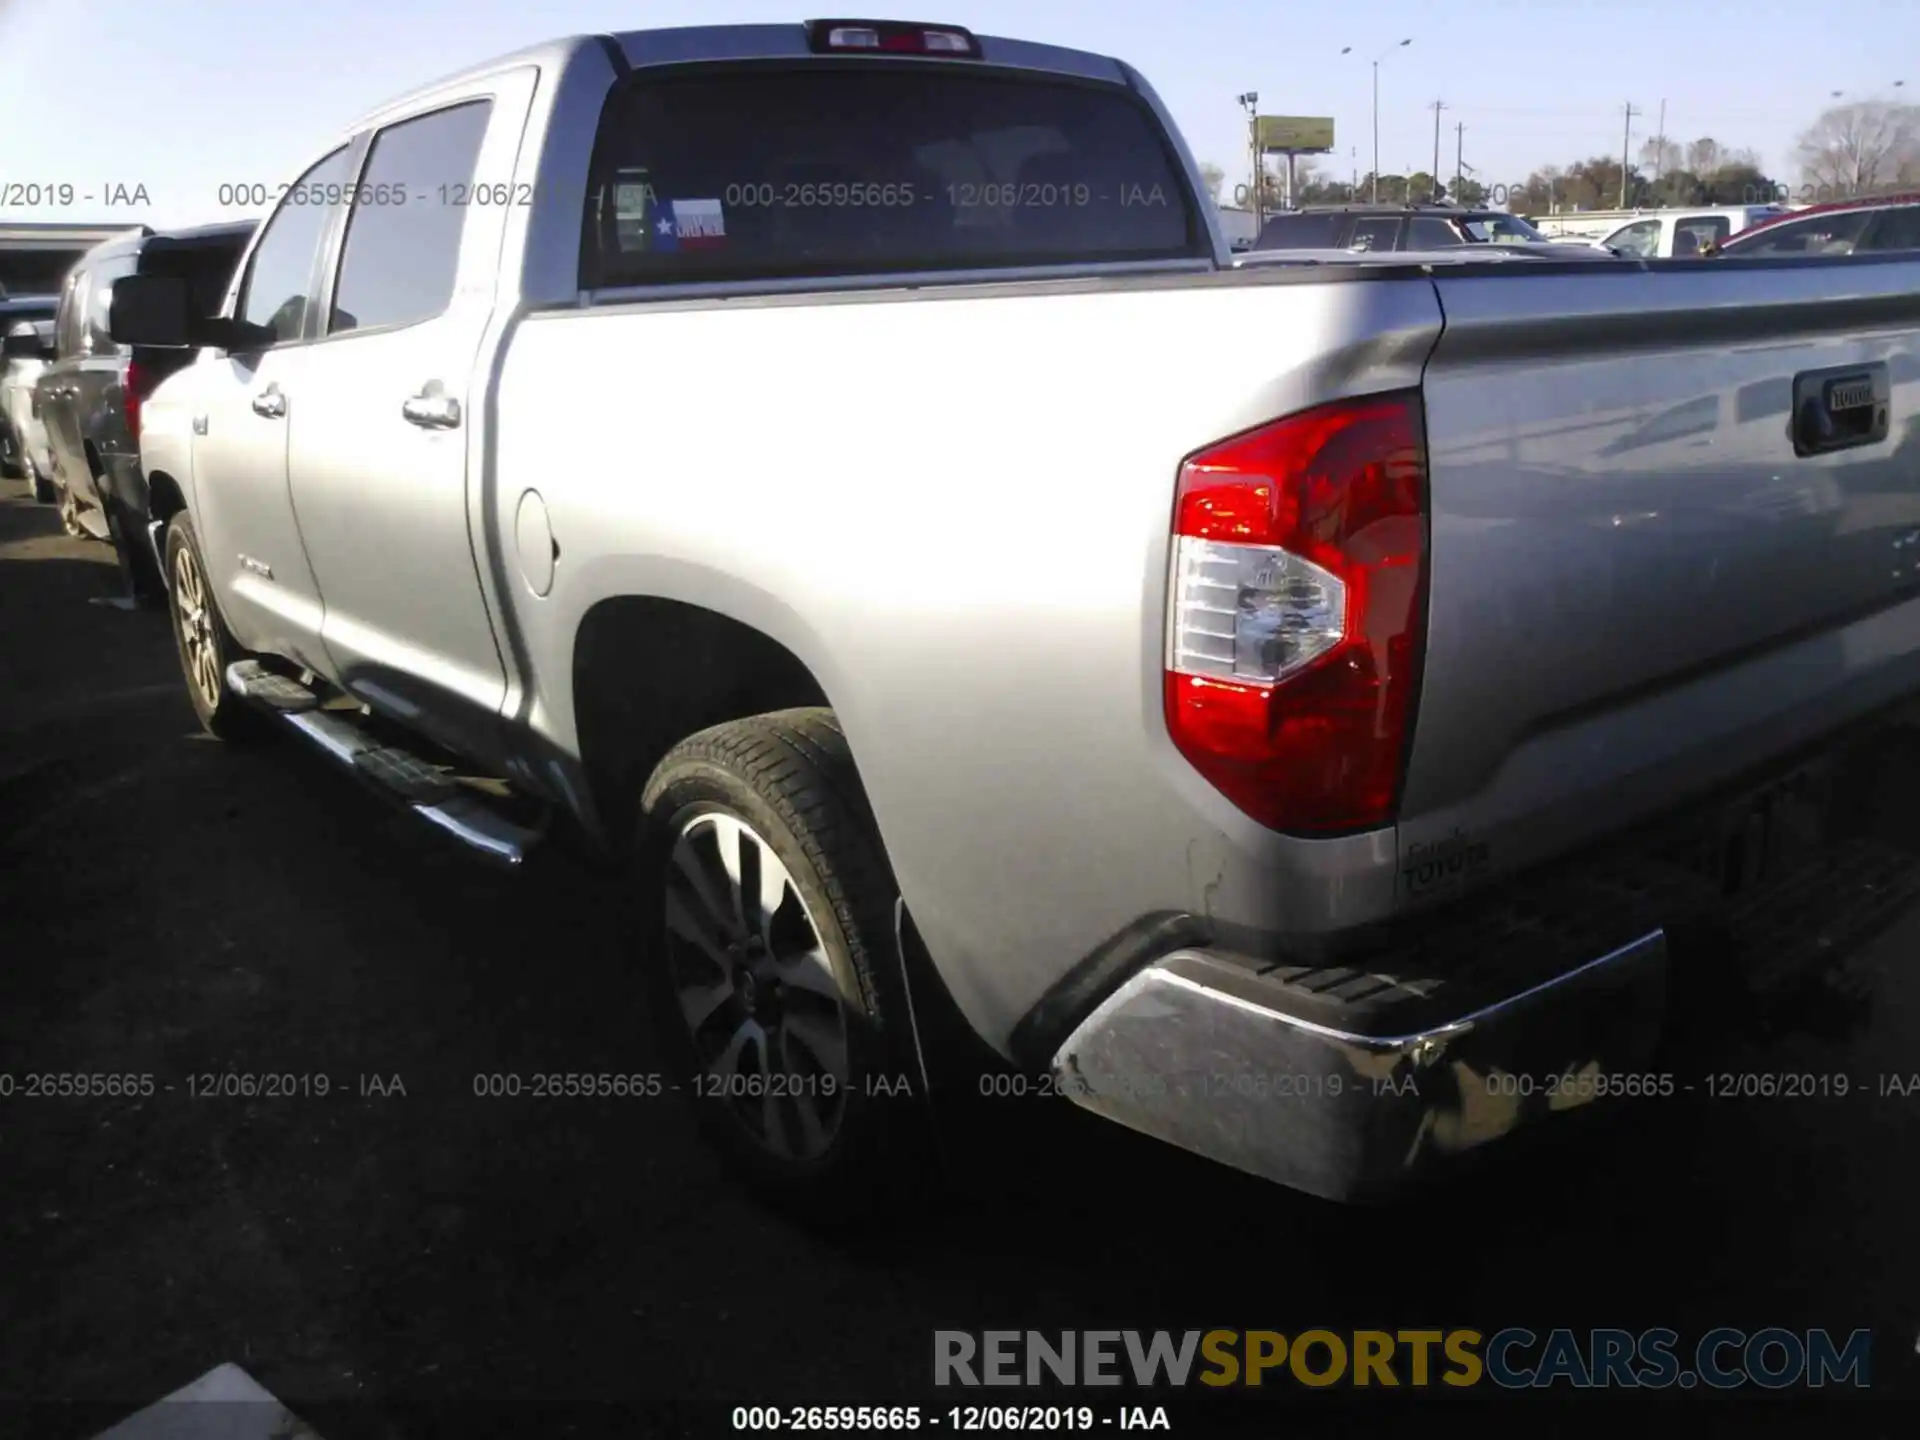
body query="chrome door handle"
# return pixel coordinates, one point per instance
(431, 411)
(270, 403)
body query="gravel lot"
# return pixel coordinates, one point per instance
(389, 1265)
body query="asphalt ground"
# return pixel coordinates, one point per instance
(405, 1257)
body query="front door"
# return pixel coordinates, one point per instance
(385, 433)
(243, 403)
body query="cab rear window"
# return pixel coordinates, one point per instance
(864, 167)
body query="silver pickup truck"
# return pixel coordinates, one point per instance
(836, 470)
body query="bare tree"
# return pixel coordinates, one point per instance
(1213, 177)
(1659, 157)
(1852, 149)
(1705, 155)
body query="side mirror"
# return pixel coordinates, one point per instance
(150, 310)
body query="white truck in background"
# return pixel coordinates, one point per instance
(1655, 234)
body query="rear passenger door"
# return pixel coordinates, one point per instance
(55, 387)
(96, 388)
(387, 433)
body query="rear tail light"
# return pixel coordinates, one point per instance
(132, 394)
(891, 37)
(1298, 613)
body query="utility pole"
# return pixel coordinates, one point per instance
(1348, 50)
(1660, 146)
(1250, 102)
(1459, 150)
(1626, 146)
(1438, 106)
(1376, 132)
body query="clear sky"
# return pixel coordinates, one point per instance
(179, 96)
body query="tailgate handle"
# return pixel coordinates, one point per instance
(1839, 408)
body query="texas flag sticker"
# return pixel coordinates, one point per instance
(699, 225)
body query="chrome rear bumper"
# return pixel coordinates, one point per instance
(1209, 1053)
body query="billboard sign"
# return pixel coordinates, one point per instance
(1280, 133)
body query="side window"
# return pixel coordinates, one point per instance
(1816, 235)
(400, 260)
(1640, 238)
(1426, 233)
(1898, 229)
(1705, 229)
(1314, 231)
(1375, 234)
(280, 275)
(96, 340)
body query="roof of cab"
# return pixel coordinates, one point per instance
(689, 44)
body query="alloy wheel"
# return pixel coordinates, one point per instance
(194, 616)
(755, 986)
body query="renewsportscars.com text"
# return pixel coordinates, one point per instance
(1514, 1358)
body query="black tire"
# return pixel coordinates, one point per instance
(197, 622)
(789, 776)
(44, 490)
(12, 458)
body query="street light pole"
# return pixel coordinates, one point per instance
(1250, 101)
(1348, 50)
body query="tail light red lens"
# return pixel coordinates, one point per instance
(133, 392)
(1298, 613)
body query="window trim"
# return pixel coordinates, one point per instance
(591, 277)
(336, 247)
(355, 151)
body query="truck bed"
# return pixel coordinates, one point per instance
(1631, 598)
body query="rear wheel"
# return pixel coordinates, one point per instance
(774, 983)
(11, 460)
(205, 645)
(44, 490)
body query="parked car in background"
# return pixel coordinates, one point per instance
(1842, 227)
(1249, 739)
(23, 453)
(1679, 234)
(91, 393)
(1392, 227)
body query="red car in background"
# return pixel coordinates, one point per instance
(1841, 227)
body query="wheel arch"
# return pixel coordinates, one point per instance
(649, 670)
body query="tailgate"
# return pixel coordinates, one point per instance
(1647, 574)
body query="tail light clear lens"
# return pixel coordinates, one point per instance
(1297, 616)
